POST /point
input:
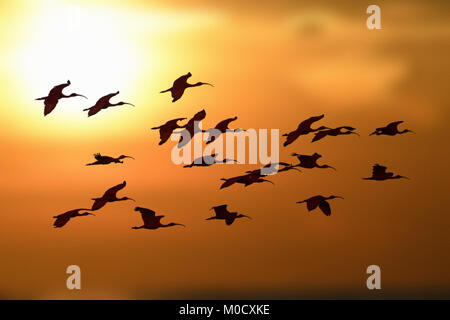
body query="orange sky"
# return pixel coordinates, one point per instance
(273, 66)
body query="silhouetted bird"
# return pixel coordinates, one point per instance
(191, 128)
(54, 95)
(272, 168)
(223, 214)
(103, 103)
(320, 201)
(221, 127)
(181, 84)
(246, 180)
(379, 173)
(152, 221)
(107, 160)
(334, 132)
(166, 130)
(303, 129)
(63, 218)
(207, 161)
(110, 196)
(310, 162)
(390, 130)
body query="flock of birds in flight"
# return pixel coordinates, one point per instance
(149, 217)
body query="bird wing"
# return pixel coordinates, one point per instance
(393, 125)
(177, 93)
(223, 125)
(181, 81)
(94, 109)
(229, 221)
(306, 124)
(221, 211)
(99, 157)
(230, 181)
(291, 137)
(57, 90)
(378, 170)
(61, 220)
(105, 99)
(112, 191)
(320, 135)
(71, 212)
(50, 103)
(199, 116)
(313, 202)
(148, 216)
(99, 203)
(325, 207)
(165, 132)
(347, 128)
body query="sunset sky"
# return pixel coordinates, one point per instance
(273, 64)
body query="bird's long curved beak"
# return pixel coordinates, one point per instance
(129, 104)
(405, 177)
(179, 224)
(80, 95)
(332, 168)
(209, 84)
(339, 197)
(356, 133)
(91, 214)
(130, 157)
(131, 199)
(411, 131)
(247, 216)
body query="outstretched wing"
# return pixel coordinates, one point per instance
(221, 211)
(94, 109)
(50, 104)
(112, 191)
(393, 125)
(165, 132)
(223, 125)
(229, 182)
(229, 221)
(291, 137)
(61, 220)
(378, 170)
(57, 90)
(313, 202)
(320, 135)
(306, 124)
(105, 99)
(98, 156)
(325, 207)
(148, 216)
